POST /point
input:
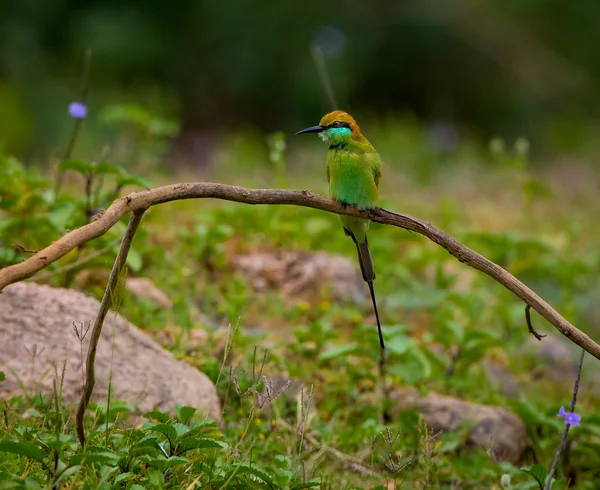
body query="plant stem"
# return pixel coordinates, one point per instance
(563, 441)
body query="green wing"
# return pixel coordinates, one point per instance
(376, 174)
(376, 168)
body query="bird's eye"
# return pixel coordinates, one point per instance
(336, 124)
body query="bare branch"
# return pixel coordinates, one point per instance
(145, 199)
(107, 300)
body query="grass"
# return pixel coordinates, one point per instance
(536, 223)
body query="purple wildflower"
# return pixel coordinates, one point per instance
(78, 110)
(571, 418)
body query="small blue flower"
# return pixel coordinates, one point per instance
(571, 418)
(78, 110)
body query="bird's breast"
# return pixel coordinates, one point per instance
(351, 179)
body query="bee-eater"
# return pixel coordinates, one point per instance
(353, 172)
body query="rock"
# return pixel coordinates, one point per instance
(501, 377)
(37, 329)
(489, 426)
(496, 370)
(142, 287)
(300, 274)
(88, 278)
(556, 360)
(554, 357)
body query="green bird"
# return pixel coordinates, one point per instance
(353, 173)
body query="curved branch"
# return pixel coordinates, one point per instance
(107, 301)
(144, 199)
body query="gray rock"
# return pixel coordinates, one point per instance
(36, 330)
(488, 427)
(554, 355)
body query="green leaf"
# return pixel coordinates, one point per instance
(283, 477)
(181, 430)
(201, 426)
(201, 443)
(90, 458)
(61, 215)
(58, 443)
(109, 168)
(457, 329)
(23, 448)
(156, 478)
(164, 464)
(10, 482)
(134, 260)
(415, 367)
(137, 181)
(149, 441)
(184, 413)
(126, 114)
(254, 470)
(418, 354)
(123, 477)
(313, 482)
(167, 430)
(64, 476)
(340, 351)
(539, 472)
(8, 202)
(157, 415)
(77, 165)
(398, 344)
(2, 376)
(160, 127)
(282, 461)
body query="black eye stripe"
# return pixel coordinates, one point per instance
(339, 124)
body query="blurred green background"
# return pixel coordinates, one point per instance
(490, 68)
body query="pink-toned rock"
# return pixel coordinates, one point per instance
(300, 274)
(142, 287)
(36, 330)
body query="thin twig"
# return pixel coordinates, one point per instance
(107, 299)
(319, 59)
(89, 181)
(22, 250)
(563, 441)
(145, 199)
(456, 353)
(85, 79)
(532, 331)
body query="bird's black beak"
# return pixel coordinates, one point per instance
(312, 129)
